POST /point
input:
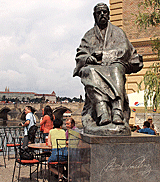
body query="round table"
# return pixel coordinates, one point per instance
(39, 146)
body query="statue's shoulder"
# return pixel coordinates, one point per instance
(118, 31)
(89, 33)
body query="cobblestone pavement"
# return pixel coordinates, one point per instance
(6, 173)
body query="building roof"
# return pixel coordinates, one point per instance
(17, 92)
(44, 95)
(33, 93)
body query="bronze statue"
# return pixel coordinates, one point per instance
(103, 58)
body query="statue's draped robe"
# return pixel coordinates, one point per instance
(119, 58)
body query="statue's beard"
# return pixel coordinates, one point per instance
(102, 23)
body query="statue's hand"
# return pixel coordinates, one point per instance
(91, 60)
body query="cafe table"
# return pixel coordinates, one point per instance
(39, 146)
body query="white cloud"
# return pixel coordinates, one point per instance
(38, 41)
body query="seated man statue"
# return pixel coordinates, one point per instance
(103, 58)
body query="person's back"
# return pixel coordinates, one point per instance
(48, 123)
(60, 154)
(147, 131)
(55, 134)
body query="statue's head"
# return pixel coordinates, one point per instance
(101, 15)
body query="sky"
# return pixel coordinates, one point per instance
(38, 42)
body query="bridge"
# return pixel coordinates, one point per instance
(12, 113)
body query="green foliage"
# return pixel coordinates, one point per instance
(156, 46)
(149, 15)
(75, 99)
(151, 81)
(3, 98)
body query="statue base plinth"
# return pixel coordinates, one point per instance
(90, 127)
(113, 159)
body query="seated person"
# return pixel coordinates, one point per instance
(150, 120)
(54, 134)
(70, 124)
(146, 129)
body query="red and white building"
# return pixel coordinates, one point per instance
(27, 95)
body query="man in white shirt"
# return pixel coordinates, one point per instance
(30, 121)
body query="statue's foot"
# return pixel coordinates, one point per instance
(117, 120)
(104, 120)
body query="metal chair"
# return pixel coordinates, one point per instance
(62, 160)
(42, 157)
(9, 141)
(20, 161)
(2, 149)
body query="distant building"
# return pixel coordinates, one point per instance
(26, 96)
(51, 97)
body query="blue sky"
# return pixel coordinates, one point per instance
(38, 41)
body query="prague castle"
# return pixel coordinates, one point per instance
(25, 96)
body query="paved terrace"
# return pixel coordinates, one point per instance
(6, 173)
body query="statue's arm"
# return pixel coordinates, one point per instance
(131, 59)
(84, 55)
(123, 51)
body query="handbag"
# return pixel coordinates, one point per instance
(26, 154)
(32, 131)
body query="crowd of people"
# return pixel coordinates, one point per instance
(52, 130)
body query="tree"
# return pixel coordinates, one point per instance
(16, 100)
(149, 15)
(3, 98)
(151, 81)
(28, 99)
(23, 99)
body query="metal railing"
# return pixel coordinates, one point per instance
(16, 132)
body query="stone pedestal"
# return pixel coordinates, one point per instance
(114, 159)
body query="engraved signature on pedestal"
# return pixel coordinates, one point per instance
(138, 166)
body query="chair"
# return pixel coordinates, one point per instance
(76, 153)
(62, 160)
(2, 148)
(9, 141)
(42, 157)
(20, 161)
